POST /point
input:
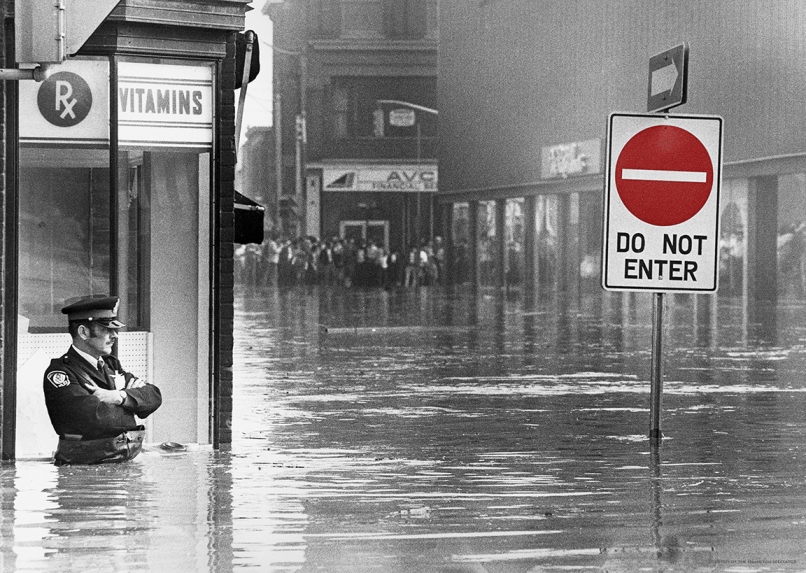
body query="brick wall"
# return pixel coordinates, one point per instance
(224, 261)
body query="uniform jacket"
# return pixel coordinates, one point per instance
(74, 410)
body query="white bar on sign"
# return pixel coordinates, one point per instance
(664, 175)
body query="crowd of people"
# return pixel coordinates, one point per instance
(282, 261)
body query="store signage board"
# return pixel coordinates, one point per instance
(158, 106)
(70, 108)
(402, 117)
(403, 178)
(661, 203)
(165, 105)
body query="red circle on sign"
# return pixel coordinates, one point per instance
(664, 175)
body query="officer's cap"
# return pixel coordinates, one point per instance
(103, 310)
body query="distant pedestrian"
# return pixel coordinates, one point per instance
(273, 249)
(439, 259)
(412, 273)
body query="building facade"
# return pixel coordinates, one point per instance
(525, 93)
(356, 105)
(119, 179)
(255, 177)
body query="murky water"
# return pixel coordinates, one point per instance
(424, 431)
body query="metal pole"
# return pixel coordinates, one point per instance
(278, 160)
(419, 153)
(302, 192)
(298, 160)
(656, 390)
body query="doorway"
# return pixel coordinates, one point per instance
(376, 231)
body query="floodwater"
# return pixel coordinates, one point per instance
(458, 431)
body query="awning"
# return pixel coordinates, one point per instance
(248, 220)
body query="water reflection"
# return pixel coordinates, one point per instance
(158, 511)
(458, 432)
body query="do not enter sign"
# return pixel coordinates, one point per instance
(661, 207)
(664, 175)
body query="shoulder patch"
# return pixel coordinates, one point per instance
(59, 379)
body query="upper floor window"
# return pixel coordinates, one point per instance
(355, 107)
(362, 19)
(405, 19)
(399, 19)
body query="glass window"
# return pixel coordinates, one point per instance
(461, 242)
(355, 106)
(341, 110)
(733, 237)
(487, 258)
(588, 231)
(134, 238)
(514, 240)
(405, 18)
(361, 19)
(792, 236)
(547, 240)
(64, 231)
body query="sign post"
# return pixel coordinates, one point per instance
(661, 215)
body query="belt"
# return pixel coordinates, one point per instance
(75, 450)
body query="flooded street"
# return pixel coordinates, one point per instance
(440, 431)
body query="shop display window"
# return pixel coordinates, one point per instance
(64, 232)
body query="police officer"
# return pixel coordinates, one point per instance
(91, 400)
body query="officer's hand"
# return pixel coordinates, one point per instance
(106, 396)
(135, 383)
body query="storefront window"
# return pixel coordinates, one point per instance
(461, 242)
(792, 236)
(588, 233)
(514, 241)
(361, 19)
(547, 240)
(733, 237)
(64, 231)
(160, 193)
(487, 260)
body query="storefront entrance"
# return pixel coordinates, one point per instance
(366, 231)
(122, 211)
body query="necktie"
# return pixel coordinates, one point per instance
(105, 373)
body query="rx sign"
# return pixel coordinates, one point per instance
(71, 107)
(64, 99)
(661, 203)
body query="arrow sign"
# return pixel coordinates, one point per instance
(668, 79)
(663, 80)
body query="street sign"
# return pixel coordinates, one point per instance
(661, 203)
(668, 79)
(402, 117)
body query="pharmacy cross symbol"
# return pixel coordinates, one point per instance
(664, 175)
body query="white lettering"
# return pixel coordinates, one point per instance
(64, 90)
